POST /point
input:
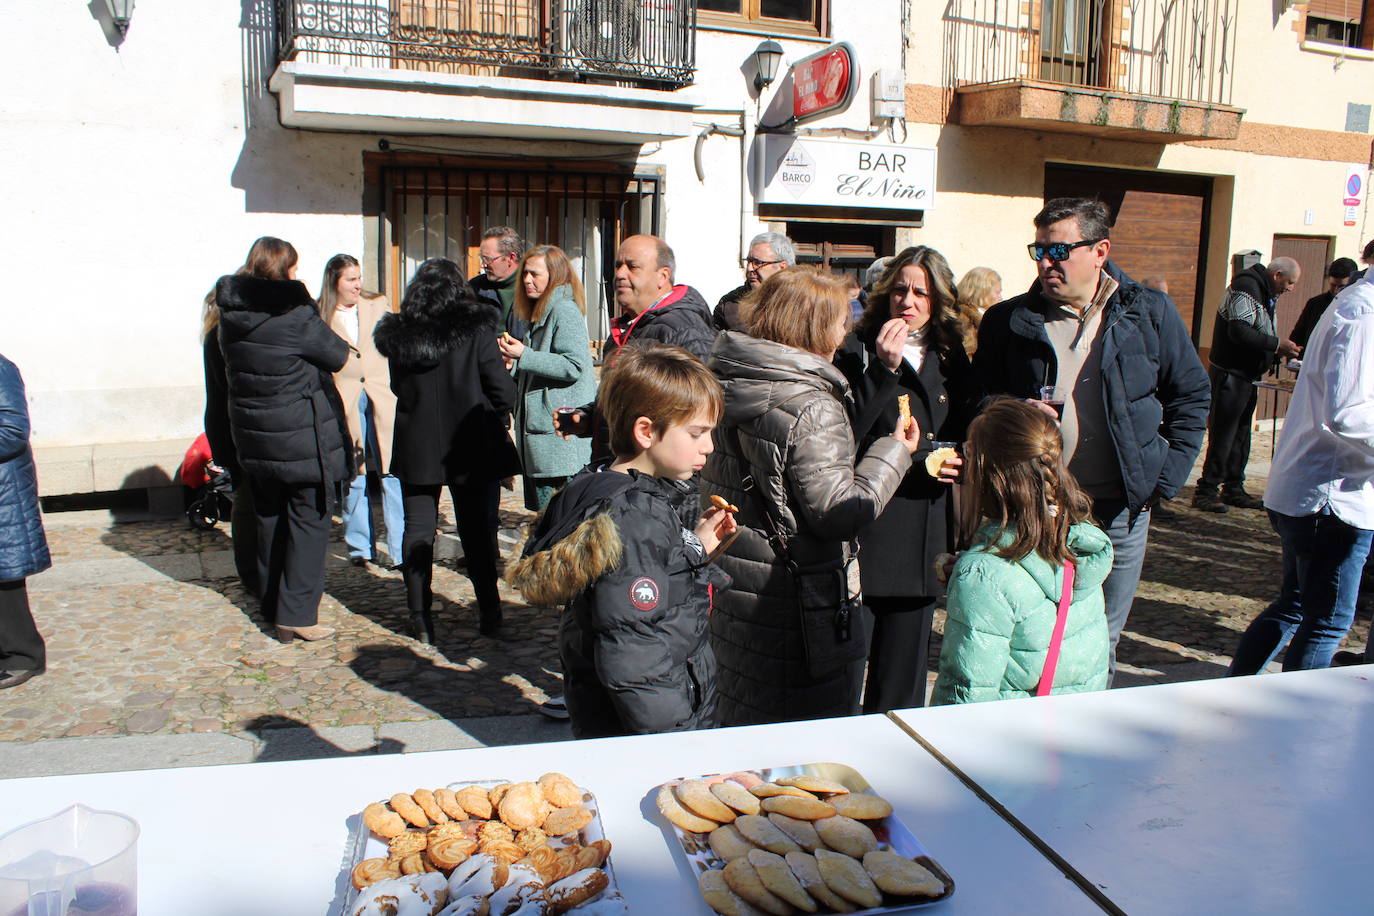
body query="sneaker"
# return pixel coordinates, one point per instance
(1241, 500)
(1208, 502)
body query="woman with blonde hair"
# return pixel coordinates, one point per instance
(789, 635)
(553, 366)
(364, 385)
(979, 290)
(1025, 610)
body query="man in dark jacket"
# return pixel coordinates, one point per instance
(651, 305)
(500, 253)
(1245, 344)
(1135, 393)
(769, 252)
(1339, 274)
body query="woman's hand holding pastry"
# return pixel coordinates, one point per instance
(510, 347)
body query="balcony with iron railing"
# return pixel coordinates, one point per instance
(634, 54)
(1156, 70)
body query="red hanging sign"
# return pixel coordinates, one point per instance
(824, 83)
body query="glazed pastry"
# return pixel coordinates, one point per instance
(804, 809)
(807, 872)
(466, 906)
(846, 835)
(449, 852)
(405, 806)
(862, 806)
(481, 874)
(409, 895)
(718, 896)
(736, 796)
(777, 876)
(523, 805)
(383, 821)
(895, 874)
(522, 886)
(698, 798)
(449, 803)
(727, 843)
(771, 789)
(567, 820)
(407, 843)
(370, 871)
(803, 833)
(678, 816)
(576, 889)
(763, 833)
(745, 882)
(495, 830)
(474, 801)
(430, 805)
(846, 877)
(816, 785)
(560, 790)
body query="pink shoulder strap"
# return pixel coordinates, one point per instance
(1061, 618)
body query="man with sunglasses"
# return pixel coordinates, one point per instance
(769, 252)
(500, 252)
(1135, 393)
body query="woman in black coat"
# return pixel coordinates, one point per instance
(909, 341)
(452, 395)
(288, 427)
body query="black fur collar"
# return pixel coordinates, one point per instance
(422, 340)
(239, 292)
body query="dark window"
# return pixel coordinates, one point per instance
(1333, 31)
(797, 16)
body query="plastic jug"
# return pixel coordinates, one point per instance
(79, 862)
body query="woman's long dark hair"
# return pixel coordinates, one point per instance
(946, 325)
(269, 258)
(437, 287)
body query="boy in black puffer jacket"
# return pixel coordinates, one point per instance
(614, 546)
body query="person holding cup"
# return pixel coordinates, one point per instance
(908, 342)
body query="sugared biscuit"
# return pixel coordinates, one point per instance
(531, 838)
(370, 871)
(897, 875)
(430, 805)
(801, 831)
(405, 806)
(846, 877)
(805, 809)
(678, 816)
(495, 830)
(560, 790)
(814, 784)
(806, 870)
(775, 874)
(846, 835)
(771, 789)
(382, 821)
(697, 798)
(862, 806)
(567, 820)
(736, 796)
(523, 805)
(449, 803)
(727, 843)
(718, 896)
(475, 801)
(575, 889)
(763, 833)
(745, 882)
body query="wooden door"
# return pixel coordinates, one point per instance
(1313, 254)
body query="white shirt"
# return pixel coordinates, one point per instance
(1325, 455)
(915, 349)
(349, 315)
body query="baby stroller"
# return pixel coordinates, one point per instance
(211, 487)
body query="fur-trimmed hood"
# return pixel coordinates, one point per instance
(244, 293)
(411, 339)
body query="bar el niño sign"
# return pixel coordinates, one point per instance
(836, 173)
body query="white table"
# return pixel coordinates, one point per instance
(1240, 795)
(269, 837)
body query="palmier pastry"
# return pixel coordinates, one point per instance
(449, 803)
(862, 806)
(405, 806)
(543, 860)
(406, 843)
(678, 816)
(560, 790)
(897, 875)
(415, 863)
(775, 874)
(576, 889)
(495, 830)
(696, 797)
(736, 796)
(474, 800)
(383, 821)
(603, 848)
(804, 809)
(806, 870)
(846, 835)
(430, 805)
(745, 881)
(566, 864)
(846, 877)
(567, 820)
(816, 785)
(448, 852)
(504, 850)
(370, 871)
(523, 805)
(531, 838)
(588, 857)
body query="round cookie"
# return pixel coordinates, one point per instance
(697, 798)
(804, 809)
(862, 806)
(897, 875)
(846, 835)
(763, 833)
(846, 877)
(736, 796)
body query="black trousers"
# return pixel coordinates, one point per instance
(897, 652)
(471, 505)
(1228, 432)
(21, 645)
(293, 534)
(243, 533)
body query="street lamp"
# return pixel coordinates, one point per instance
(121, 11)
(767, 56)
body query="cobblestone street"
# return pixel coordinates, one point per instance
(149, 632)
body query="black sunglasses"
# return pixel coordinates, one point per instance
(1057, 251)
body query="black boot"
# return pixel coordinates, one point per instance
(422, 627)
(491, 622)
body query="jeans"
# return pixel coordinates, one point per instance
(1322, 561)
(1128, 537)
(357, 514)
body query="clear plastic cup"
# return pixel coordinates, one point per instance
(79, 862)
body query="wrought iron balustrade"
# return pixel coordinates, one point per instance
(626, 41)
(1171, 49)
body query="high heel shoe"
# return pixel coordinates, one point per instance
(309, 634)
(422, 627)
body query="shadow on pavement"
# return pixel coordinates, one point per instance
(285, 738)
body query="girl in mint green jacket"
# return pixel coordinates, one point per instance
(1031, 519)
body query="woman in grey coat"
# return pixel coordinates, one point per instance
(23, 547)
(789, 644)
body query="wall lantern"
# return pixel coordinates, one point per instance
(121, 11)
(767, 56)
